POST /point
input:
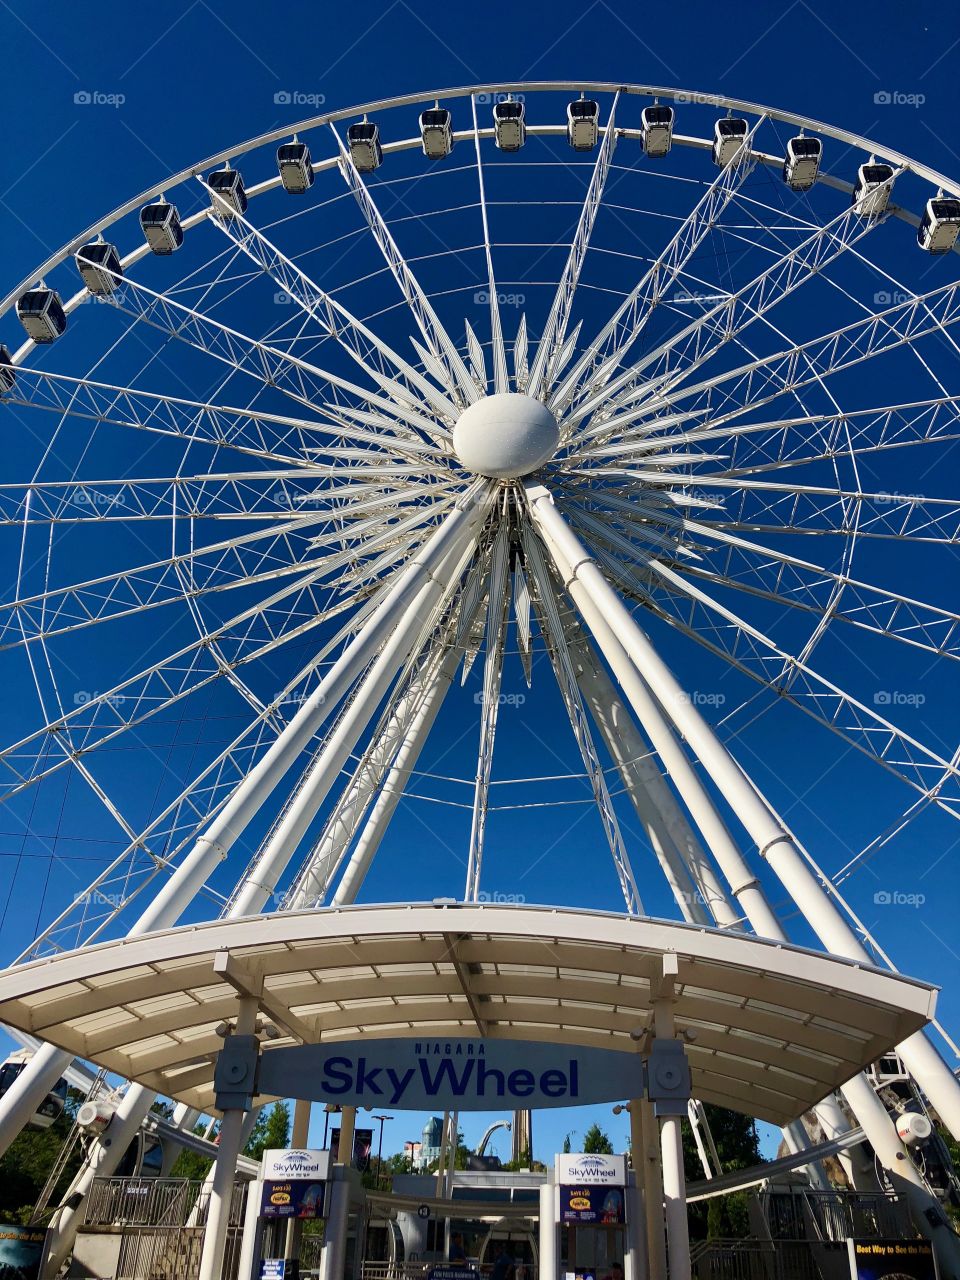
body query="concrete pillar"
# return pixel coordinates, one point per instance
(635, 1244)
(675, 1197)
(348, 1122)
(548, 1232)
(225, 1166)
(652, 1192)
(247, 1268)
(335, 1242)
(298, 1138)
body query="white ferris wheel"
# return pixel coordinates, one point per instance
(651, 392)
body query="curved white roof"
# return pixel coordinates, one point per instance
(776, 1027)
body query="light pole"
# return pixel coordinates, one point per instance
(380, 1146)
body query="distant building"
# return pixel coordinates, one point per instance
(430, 1144)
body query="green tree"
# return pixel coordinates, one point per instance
(566, 1145)
(738, 1147)
(596, 1142)
(271, 1131)
(26, 1164)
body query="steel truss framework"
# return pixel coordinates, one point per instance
(726, 409)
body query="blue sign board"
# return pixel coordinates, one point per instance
(292, 1199)
(469, 1074)
(598, 1205)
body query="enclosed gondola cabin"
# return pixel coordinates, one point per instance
(226, 192)
(656, 130)
(871, 194)
(509, 129)
(51, 1108)
(940, 225)
(41, 313)
(99, 267)
(296, 166)
(161, 227)
(728, 138)
(436, 132)
(8, 375)
(366, 152)
(583, 124)
(801, 165)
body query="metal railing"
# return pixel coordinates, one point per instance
(161, 1222)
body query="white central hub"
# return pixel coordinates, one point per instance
(506, 436)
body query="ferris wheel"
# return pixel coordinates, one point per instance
(649, 392)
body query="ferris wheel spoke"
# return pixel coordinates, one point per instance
(378, 360)
(607, 351)
(459, 384)
(498, 602)
(545, 594)
(298, 379)
(271, 437)
(173, 831)
(670, 364)
(780, 442)
(501, 379)
(900, 325)
(547, 364)
(105, 716)
(762, 571)
(753, 653)
(675, 359)
(148, 586)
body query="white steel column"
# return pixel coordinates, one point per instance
(547, 1232)
(298, 1138)
(335, 1239)
(572, 559)
(671, 1138)
(677, 849)
(394, 784)
(225, 1165)
(604, 611)
(653, 1191)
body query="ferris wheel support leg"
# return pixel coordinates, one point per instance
(570, 558)
(394, 784)
(699, 894)
(261, 881)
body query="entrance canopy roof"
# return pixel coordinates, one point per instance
(773, 1028)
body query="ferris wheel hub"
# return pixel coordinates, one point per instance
(506, 436)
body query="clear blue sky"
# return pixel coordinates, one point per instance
(195, 77)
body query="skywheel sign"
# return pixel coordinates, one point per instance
(461, 1074)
